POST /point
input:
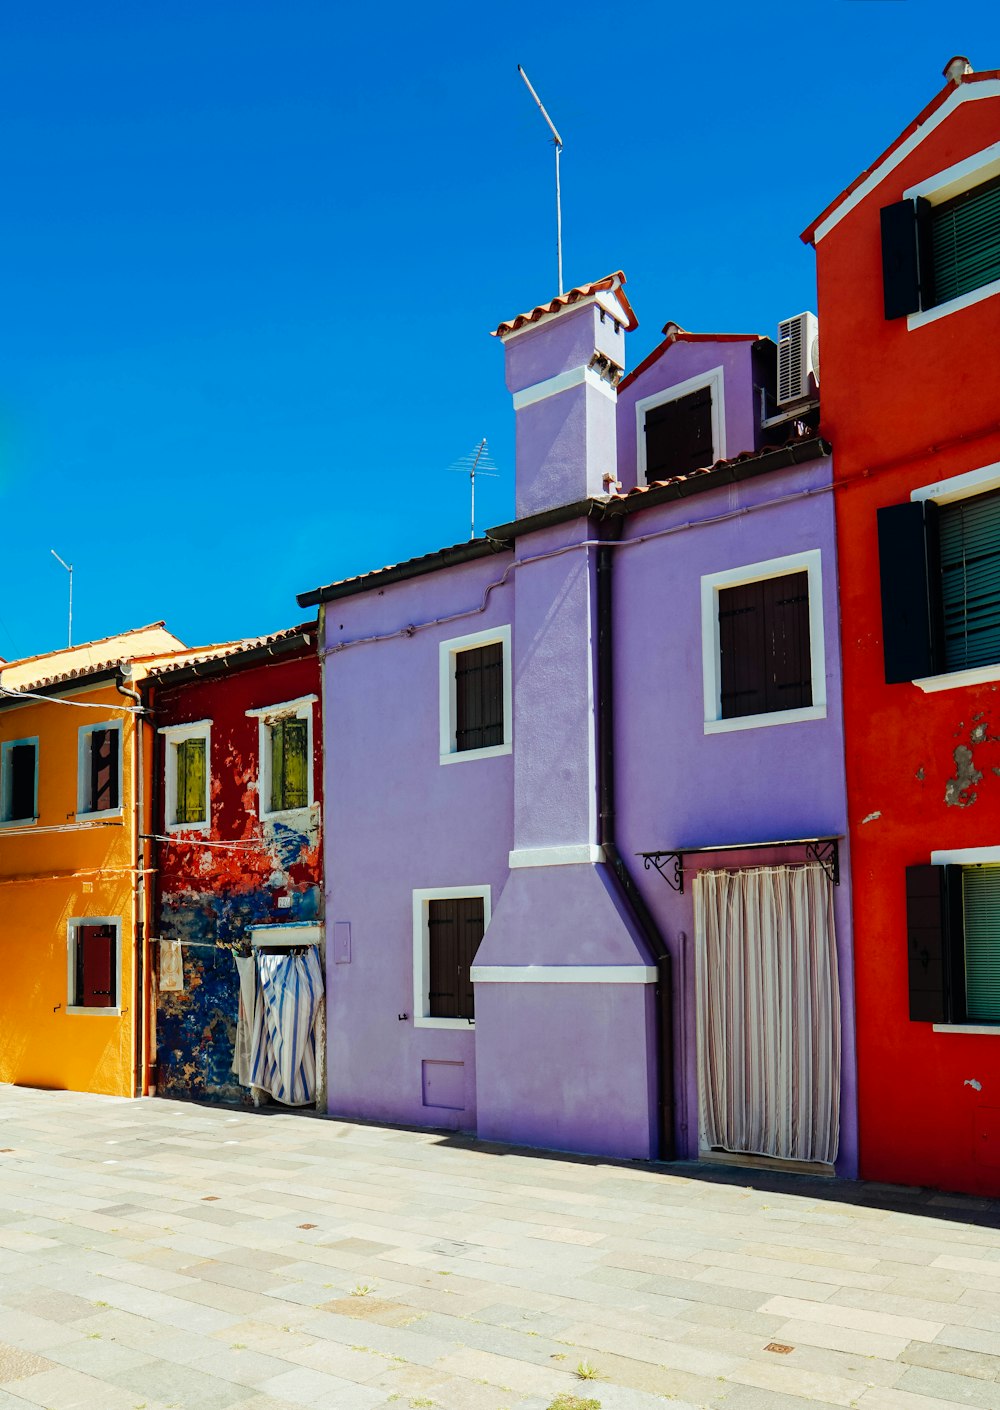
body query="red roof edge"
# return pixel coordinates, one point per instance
(808, 235)
(676, 334)
(610, 282)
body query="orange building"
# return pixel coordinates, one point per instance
(75, 762)
(908, 270)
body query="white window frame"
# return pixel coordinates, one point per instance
(266, 716)
(113, 1011)
(967, 857)
(945, 186)
(948, 491)
(715, 379)
(5, 783)
(422, 949)
(172, 736)
(711, 585)
(83, 770)
(447, 705)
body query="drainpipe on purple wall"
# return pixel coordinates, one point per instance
(633, 897)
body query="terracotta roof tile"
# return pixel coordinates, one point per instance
(610, 283)
(164, 665)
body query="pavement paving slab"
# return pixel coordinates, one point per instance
(184, 1257)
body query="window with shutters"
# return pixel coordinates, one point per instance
(285, 737)
(19, 781)
(475, 696)
(94, 965)
(187, 776)
(682, 428)
(448, 926)
(941, 243)
(762, 644)
(939, 568)
(99, 785)
(953, 943)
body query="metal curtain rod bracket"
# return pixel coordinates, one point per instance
(824, 851)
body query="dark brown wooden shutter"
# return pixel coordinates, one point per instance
(679, 436)
(103, 770)
(934, 943)
(22, 781)
(764, 649)
(910, 578)
(455, 932)
(95, 966)
(479, 697)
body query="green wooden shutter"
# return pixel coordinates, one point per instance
(296, 764)
(965, 242)
(970, 581)
(190, 781)
(981, 892)
(289, 765)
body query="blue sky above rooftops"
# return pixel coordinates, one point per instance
(250, 253)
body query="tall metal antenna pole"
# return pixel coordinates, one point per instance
(559, 146)
(69, 569)
(472, 479)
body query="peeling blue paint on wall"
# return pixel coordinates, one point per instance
(196, 1027)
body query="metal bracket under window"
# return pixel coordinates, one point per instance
(823, 851)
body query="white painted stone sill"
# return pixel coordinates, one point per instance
(985, 1030)
(978, 675)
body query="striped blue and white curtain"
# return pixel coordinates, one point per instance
(283, 1048)
(768, 1013)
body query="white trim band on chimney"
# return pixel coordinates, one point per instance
(562, 382)
(563, 974)
(581, 853)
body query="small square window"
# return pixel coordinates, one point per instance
(19, 781)
(94, 965)
(285, 740)
(100, 768)
(953, 940)
(682, 428)
(448, 928)
(187, 775)
(764, 646)
(763, 656)
(475, 710)
(939, 568)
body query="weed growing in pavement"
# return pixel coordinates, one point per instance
(574, 1402)
(586, 1372)
(362, 1290)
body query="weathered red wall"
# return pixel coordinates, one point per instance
(906, 408)
(208, 896)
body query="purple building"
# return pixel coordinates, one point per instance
(533, 739)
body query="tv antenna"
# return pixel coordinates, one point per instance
(477, 462)
(69, 570)
(558, 146)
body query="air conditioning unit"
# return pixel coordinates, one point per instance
(798, 358)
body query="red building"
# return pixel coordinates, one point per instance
(908, 270)
(237, 780)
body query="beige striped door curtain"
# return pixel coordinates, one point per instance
(768, 1013)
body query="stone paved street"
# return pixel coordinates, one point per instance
(155, 1254)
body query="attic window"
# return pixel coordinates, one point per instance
(682, 428)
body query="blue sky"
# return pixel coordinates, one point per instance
(250, 252)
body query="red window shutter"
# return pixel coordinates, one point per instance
(935, 949)
(456, 931)
(764, 649)
(103, 770)
(479, 718)
(443, 959)
(95, 966)
(679, 436)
